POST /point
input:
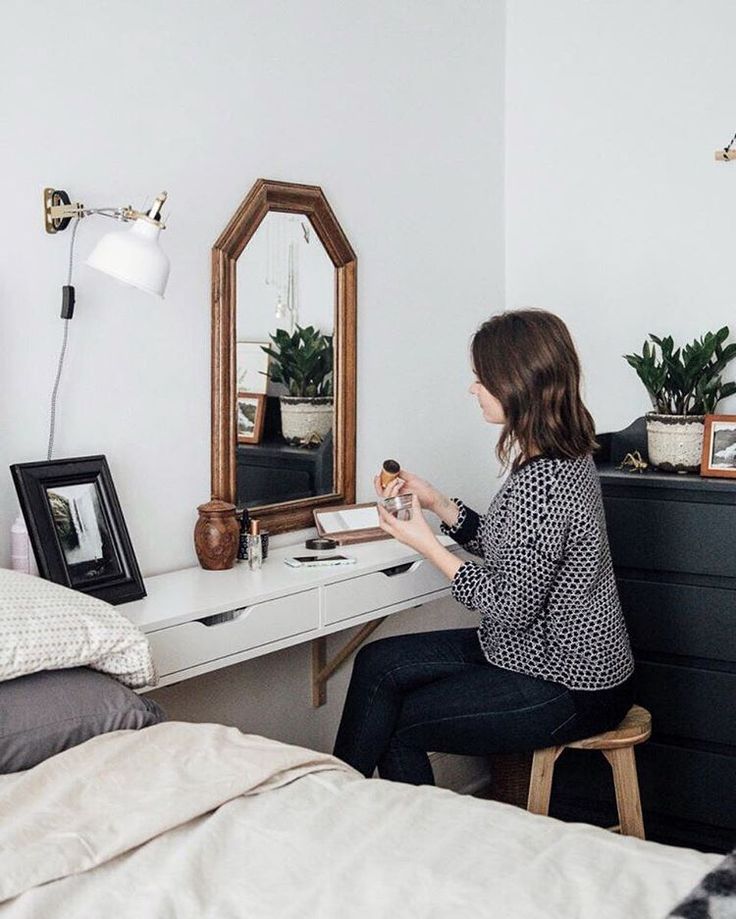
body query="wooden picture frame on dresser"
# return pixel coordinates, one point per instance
(250, 430)
(719, 447)
(308, 200)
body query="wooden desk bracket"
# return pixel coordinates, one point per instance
(322, 669)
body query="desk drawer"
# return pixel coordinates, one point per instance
(370, 592)
(192, 643)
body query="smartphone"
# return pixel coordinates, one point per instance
(316, 561)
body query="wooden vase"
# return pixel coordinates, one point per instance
(216, 535)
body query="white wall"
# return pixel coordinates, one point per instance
(617, 216)
(395, 109)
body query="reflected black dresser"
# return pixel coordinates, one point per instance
(673, 544)
(273, 471)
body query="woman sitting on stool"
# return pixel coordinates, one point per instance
(551, 660)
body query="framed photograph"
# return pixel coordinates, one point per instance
(252, 367)
(719, 446)
(251, 409)
(77, 528)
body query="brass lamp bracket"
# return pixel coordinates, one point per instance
(58, 210)
(322, 669)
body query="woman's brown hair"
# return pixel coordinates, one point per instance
(527, 360)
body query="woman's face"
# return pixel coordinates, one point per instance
(489, 405)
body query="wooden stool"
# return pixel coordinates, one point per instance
(618, 748)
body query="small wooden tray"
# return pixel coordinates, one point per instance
(344, 534)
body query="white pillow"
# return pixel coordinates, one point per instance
(44, 626)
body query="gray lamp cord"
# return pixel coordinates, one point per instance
(57, 381)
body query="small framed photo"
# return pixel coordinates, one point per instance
(76, 527)
(719, 446)
(251, 409)
(252, 367)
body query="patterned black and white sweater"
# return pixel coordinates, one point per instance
(546, 591)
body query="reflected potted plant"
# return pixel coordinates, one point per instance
(303, 363)
(684, 385)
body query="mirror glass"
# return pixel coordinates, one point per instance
(285, 418)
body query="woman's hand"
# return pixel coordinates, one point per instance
(429, 497)
(415, 532)
(407, 482)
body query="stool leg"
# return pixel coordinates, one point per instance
(626, 784)
(540, 782)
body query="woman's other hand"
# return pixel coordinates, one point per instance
(407, 482)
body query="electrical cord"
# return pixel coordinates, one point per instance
(727, 148)
(62, 354)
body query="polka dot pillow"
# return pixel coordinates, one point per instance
(44, 626)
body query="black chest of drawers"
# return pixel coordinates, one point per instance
(673, 544)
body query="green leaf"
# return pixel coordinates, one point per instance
(687, 379)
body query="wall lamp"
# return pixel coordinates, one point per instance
(133, 256)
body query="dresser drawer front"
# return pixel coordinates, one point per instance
(688, 784)
(687, 537)
(193, 643)
(370, 592)
(669, 618)
(675, 782)
(689, 703)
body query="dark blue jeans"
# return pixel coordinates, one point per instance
(435, 691)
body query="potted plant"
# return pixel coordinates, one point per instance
(303, 363)
(684, 385)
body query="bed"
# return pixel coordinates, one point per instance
(106, 809)
(198, 820)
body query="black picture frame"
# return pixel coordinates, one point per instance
(77, 528)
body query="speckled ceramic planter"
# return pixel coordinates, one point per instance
(306, 421)
(675, 442)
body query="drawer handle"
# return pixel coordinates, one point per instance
(219, 618)
(401, 569)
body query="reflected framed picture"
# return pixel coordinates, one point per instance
(252, 366)
(76, 527)
(719, 446)
(251, 409)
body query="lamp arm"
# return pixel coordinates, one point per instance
(59, 211)
(62, 211)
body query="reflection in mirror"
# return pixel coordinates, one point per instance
(285, 324)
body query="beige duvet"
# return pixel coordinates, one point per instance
(183, 820)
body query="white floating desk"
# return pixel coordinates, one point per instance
(198, 620)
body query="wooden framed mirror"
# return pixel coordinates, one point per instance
(283, 267)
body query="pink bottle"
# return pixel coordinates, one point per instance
(21, 552)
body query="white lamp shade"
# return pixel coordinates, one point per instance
(133, 256)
